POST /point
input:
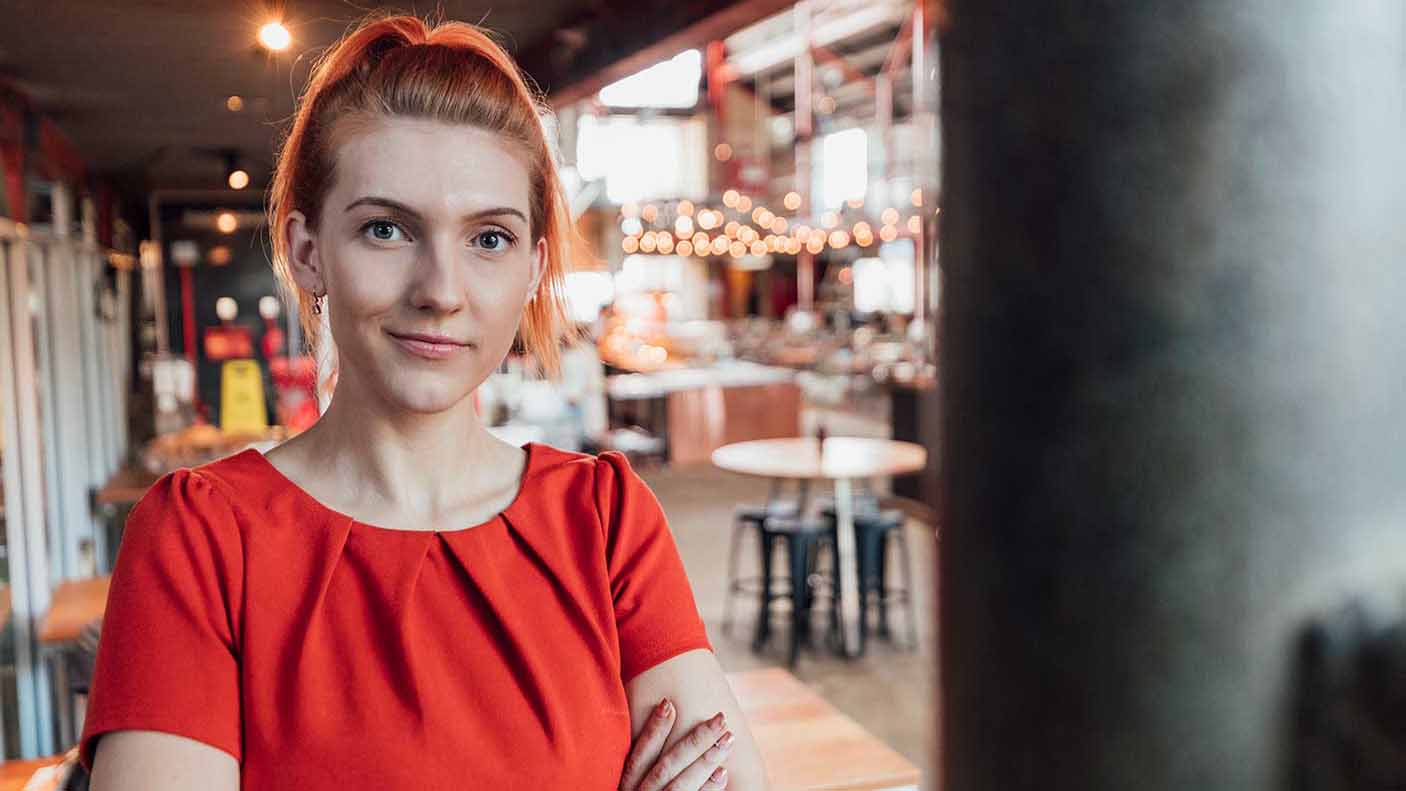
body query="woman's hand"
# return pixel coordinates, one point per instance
(694, 763)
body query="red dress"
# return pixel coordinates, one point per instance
(326, 654)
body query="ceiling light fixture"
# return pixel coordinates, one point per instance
(275, 37)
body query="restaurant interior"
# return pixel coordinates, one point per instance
(1098, 396)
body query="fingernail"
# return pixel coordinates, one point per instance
(718, 775)
(726, 740)
(665, 708)
(717, 720)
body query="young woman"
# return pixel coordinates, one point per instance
(394, 599)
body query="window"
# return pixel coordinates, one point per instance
(586, 292)
(673, 83)
(842, 169)
(644, 159)
(885, 283)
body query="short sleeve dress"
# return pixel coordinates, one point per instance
(326, 654)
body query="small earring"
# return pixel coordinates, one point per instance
(317, 305)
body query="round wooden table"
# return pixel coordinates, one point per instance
(842, 461)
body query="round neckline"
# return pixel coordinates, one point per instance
(306, 496)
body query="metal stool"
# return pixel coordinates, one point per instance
(873, 529)
(749, 517)
(805, 541)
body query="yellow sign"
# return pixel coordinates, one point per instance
(242, 397)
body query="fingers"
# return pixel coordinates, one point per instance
(707, 772)
(648, 745)
(681, 757)
(717, 781)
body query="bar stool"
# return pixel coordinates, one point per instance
(750, 517)
(874, 529)
(805, 541)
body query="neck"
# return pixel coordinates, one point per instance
(419, 463)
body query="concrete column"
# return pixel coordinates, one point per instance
(1173, 377)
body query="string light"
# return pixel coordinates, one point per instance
(890, 216)
(700, 240)
(917, 196)
(839, 239)
(275, 37)
(647, 243)
(888, 233)
(778, 225)
(685, 248)
(665, 242)
(719, 245)
(737, 249)
(630, 245)
(744, 203)
(683, 226)
(730, 198)
(722, 151)
(649, 212)
(915, 224)
(686, 208)
(792, 201)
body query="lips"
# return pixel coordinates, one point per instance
(427, 346)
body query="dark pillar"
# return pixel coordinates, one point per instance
(1174, 377)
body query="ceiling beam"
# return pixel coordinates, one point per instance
(580, 59)
(824, 34)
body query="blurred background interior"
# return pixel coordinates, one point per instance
(754, 189)
(1150, 380)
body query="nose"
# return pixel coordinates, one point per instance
(437, 286)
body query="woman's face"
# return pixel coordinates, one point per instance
(425, 253)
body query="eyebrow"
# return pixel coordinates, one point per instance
(372, 200)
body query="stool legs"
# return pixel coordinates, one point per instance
(799, 555)
(907, 560)
(763, 630)
(733, 551)
(871, 548)
(881, 557)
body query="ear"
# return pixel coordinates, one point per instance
(301, 242)
(539, 266)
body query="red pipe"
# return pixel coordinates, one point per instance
(188, 311)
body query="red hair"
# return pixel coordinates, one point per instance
(400, 66)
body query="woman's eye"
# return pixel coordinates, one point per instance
(383, 231)
(493, 240)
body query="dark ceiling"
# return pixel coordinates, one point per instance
(140, 86)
